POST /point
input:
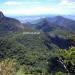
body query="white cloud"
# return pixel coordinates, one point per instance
(11, 3)
(36, 11)
(64, 7)
(64, 2)
(67, 3)
(30, 11)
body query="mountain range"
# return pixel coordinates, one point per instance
(46, 24)
(55, 22)
(36, 54)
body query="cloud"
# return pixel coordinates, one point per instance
(11, 3)
(64, 7)
(37, 11)
(67, 3)
(30, 11)
(71, 0)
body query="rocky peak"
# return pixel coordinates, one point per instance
(1, 15)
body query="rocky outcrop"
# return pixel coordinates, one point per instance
(8, 25)
(1, 15)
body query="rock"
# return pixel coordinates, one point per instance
(1, 15)
(9, 25)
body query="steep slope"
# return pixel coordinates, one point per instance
(58, 22)
(46, 25)
(64, 22)
(33, 51)
(8, 25)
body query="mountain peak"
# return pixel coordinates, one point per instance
(59, 17)
(1, 15)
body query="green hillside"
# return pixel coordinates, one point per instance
(42, 50)
(31, 54)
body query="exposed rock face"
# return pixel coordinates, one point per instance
(1, 15)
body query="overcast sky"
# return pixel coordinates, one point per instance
(37, 7)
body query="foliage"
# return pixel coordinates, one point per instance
(33, 54)
(7, 67)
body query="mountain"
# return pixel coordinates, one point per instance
(47, 26)
(58, 23)
(45, 53)
(70, 17)
(25, 18)
(8, 25)
(64, 22)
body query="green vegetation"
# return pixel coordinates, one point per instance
(47, 53)
(28, 55)
(8, 67)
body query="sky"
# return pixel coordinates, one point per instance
(37, 7)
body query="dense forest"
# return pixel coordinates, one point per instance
(52, 52)
(30, 56)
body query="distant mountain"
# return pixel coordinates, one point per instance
(47, 26)
(54, 23)
(8, 25)
(70, 17)
(26, 18)
(64, 22)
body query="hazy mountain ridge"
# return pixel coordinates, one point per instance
(57, 24)
(54, 22)
(64, 22)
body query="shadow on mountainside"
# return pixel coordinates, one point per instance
(58, 41)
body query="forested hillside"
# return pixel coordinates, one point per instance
(51, 52)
